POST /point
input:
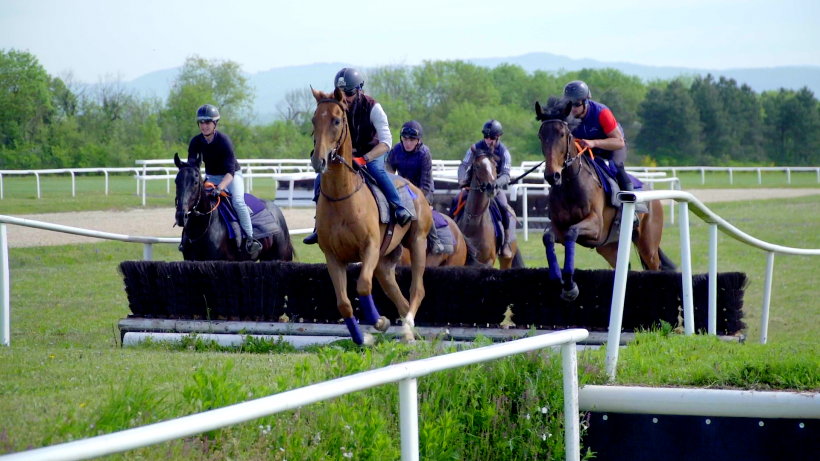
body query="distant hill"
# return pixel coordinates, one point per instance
(271, 85)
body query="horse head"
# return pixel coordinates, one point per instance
(189, 188)
(555, 134)
(330, 129)
(483, 173)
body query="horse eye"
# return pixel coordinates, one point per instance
(337, 121)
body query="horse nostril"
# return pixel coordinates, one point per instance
(556, 177)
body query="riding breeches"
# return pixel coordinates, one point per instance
(237, 190)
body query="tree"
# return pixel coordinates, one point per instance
(714, 119)
(25, 98)
(199, 82)
(297, 106)
(671, 125)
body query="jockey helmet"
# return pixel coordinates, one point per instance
(412, 129)
(348, 80)
(577, 92)
(207, 113)
(492, 128)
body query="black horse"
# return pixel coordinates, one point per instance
(205, 233)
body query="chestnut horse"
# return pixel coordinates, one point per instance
(578, 208)
(459, 256)
(475, 220)
(349, 229)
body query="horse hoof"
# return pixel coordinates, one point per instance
(368, 340)
(382, 324)
(409, 341)
(570, 295)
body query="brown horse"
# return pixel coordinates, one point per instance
(475, 220)
(457, 258)
(349, 230)
(578, 208)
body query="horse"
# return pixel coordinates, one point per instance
(461, 255)
(349, 229)
(475, 220)
(205, 233)
(578, 208)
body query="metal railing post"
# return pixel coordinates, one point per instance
(767, 297)
(5, 309)
(290, 193)
(572, 432)
(525, 207)
(1, 186)
(702, 176)
(616, 312)
(731, 179)
(168, 181)
(713, 241)
(686, 269)
(106, 181)
(37, 176)
(73, 185)
(409, 417)
(788, 175)
(147, 252)
(759, 182)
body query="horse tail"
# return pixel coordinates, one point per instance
(666, 264)
(518, 259)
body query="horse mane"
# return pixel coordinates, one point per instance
(557, 109)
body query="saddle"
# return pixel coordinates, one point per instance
(263, 222)
(445, 234)
(611, 189)
(495, 215)
(405, 194)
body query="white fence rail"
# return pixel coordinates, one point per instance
(732, 169)
(406, 374)
(715, 223)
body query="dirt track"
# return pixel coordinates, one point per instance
(158, 222)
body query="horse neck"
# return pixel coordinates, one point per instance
(478, 202)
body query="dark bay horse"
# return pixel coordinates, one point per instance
(578, 208)
(206, 233)
(475, 220)
(459, 256)
(349, 229)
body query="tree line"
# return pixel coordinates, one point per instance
(56, 122)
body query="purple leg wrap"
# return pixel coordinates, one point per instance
(569, 263)
(355, 333)
(371, 315)
(552, 260)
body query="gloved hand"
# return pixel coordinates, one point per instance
(359, 161)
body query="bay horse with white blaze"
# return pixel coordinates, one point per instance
(578, 207)
(349, 228)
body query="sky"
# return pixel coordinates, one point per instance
(98, 39)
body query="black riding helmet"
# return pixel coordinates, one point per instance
(207, 113)
(348, 80)
(577, 92)
(412, 130)
(492, 128)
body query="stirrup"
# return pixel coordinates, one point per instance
(403, 217)
(253, 246)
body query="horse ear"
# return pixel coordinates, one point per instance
(567, 109)
(198, 159)
(176, 160)
(337, 93)
(316, 94)
(539, 113)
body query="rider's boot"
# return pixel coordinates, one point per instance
(506, 249)
(403, 216)
(436, 247)
(182, 241)
(623, 179)
(313, 238)
(253, 247)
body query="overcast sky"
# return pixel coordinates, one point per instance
(95, 38)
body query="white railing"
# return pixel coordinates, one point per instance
(731, 169)
(71, 171)
(405, 374)
(715, 222)
(5, 287)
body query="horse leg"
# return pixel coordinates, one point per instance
(588, 227)
(648, 239)
(552, 259)
(386, 275)
(370, 260)
(338, 275)
(417, 252)
(609, 252)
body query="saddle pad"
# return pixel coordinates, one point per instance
(445, 234)
(262, 220)
(405, 194)
(438, 220)
(610, 184)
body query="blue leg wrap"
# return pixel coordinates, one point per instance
(569, 263)
(552, 260)
(371, 315)
(355, 333)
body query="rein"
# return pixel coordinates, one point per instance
(336, 158)
(568, 159)
(198, 213)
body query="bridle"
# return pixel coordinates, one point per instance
(568, 160)
(193, 210)
(482, 188)
(334, 154)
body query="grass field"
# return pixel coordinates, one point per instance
(65, 375)
(20, 192)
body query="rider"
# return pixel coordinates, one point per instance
(599, 130)
(221, 168)
(411, 159)
(492, 132)
(370, 134)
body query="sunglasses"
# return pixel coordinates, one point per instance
(410, 133)
(578, 104)
(494, 138)
(349, 92)
(204, 122)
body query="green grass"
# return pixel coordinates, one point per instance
(66, 377)
(744, 180)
